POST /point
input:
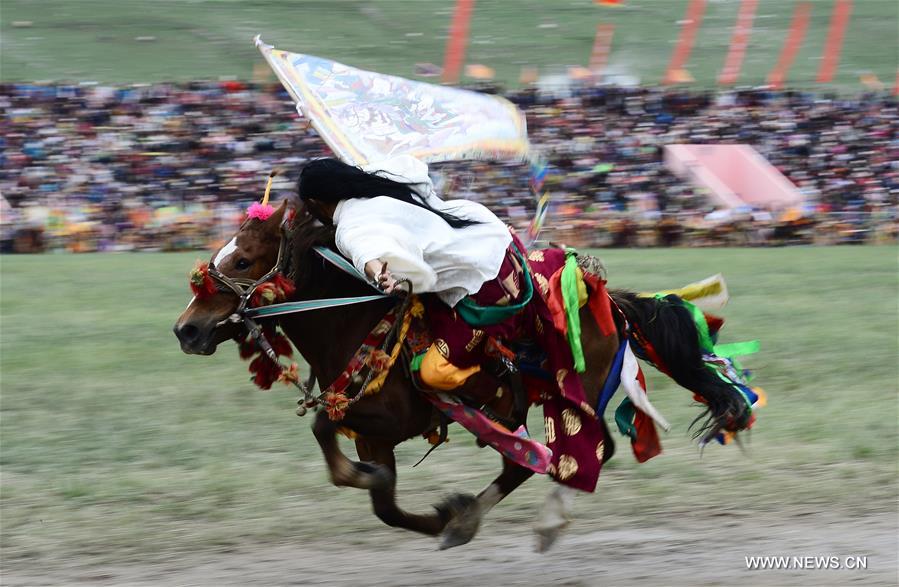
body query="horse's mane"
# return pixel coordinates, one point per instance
(313, 275)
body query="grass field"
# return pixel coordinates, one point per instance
(97, 39)
(117, 447)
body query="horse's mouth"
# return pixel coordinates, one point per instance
(205, 350)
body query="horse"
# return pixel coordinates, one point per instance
(327, 339)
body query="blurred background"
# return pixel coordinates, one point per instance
(136, 134)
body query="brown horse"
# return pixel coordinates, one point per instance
(328, 338)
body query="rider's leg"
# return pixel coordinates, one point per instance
(459, 348)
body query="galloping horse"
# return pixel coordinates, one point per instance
(328, 338)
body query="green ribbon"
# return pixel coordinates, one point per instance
(475, 315)
(572, 309)
(737, 349)
(729, 350)
(624, 418)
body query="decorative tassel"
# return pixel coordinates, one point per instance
(281, 345)
(260, 211)
(265, 371)
(278, 289)
(263, 211)
(336, 404)
(201, 284)
(290, 375)
(247, 348)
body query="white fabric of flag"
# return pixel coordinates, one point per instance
(367, 117)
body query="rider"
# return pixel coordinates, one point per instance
(391, 225)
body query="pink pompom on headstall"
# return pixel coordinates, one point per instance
(263, 211)
(260, 211)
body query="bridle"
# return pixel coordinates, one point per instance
(244, 289)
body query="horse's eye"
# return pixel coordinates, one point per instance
(242, 264)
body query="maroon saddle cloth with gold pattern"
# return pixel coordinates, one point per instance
(573, 432)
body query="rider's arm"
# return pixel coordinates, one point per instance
(370, 248)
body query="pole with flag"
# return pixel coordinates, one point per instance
(367, 117)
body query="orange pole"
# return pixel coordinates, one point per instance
(738, 43)
(602, 46)
(458, 39)
(791, 46)
(839, 19)
(681, 55)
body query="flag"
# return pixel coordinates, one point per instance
(366, 117)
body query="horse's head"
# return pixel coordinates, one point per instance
(245, 259)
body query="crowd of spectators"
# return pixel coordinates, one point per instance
(173, 166)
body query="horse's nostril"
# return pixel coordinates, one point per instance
(187, 333)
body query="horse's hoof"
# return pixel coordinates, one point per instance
(465, 519)
(547, 536)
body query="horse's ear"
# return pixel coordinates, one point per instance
(274, 221)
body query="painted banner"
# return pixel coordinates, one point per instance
(842, 10)
(366, 117)
(738, 43)
(798, 26)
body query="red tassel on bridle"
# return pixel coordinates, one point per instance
(278, 289)
(201, 284)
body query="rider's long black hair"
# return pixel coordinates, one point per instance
(330, 180)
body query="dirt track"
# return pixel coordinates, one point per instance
(678, 551)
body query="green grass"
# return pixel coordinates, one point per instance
(116, 446)
(96, 39)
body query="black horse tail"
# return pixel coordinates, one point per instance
(668, 326)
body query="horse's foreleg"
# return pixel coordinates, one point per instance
(343, 471)
(468, 512)
(383, 499)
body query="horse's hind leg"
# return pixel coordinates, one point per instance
(554, 516)
(467, 511)
(383, 499)
(343, 471)
(599, 352)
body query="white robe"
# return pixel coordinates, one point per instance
(417, 244)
